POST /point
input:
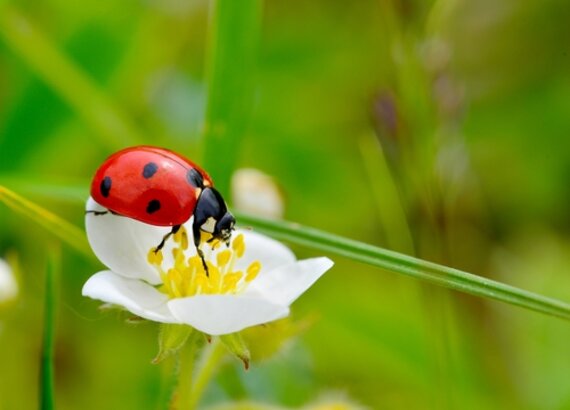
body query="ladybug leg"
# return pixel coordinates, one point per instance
(97, 213)
(174, 229)
(196, 235)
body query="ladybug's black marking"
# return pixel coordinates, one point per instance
(153, 206)
(149, 170)
(194, 178)
(105, 186)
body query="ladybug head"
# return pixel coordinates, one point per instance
(224, 227)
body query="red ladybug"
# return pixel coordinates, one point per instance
(159, 187)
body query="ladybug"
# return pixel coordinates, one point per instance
(162, 188)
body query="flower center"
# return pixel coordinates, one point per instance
(187, 276)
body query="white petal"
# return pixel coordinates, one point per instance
(284, 284)
(268, 251)
(8, 284)
(223, 314)
(122, 244)
(134, 295)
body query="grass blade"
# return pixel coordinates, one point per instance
(313, 238)
(233, 38)
(419, 269)
(66, 79)
(64, 230)
(47, 384)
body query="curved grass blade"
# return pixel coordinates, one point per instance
(64, 190)
(416, 268)
(64, 230)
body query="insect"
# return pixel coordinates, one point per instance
(159, 187)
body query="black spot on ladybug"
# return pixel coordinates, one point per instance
(153, 206)
(149, 170)
(105, 186)
(194, 178)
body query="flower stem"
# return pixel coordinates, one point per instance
(183, 394)
(212, 356)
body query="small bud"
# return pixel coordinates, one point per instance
(8, 285)
(268, 340)
(171, 339)
(236, 345)
(256, 193)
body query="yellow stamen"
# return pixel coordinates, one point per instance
(230, 282)
(154, 257)
(215, 278)
(187, 276)
(224, 257)
(238, 245)
(181, 237)
(205, 236)
(174, 279)
(178, 255)
(184, 242)
(252, 271)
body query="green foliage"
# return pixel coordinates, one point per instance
(419, 127)
(233, 40)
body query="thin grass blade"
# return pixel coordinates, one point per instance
(407, 265)
(47, 382)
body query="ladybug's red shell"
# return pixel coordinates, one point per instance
(149, 184)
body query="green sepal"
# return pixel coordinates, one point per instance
(268, 340)
(236, 345)
(171, 338)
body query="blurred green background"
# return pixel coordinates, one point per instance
(438, 129)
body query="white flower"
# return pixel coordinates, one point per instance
(8, 284)
(252, 282)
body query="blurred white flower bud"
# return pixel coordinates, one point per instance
(256, 193)
(8, 284)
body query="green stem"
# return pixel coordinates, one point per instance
(212, 356)
(233, 39)
(183, 397)
(47, 401)
(407, 265)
